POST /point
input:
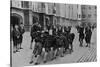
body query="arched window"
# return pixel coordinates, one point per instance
(15, 19)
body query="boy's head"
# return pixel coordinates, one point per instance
(16, 26)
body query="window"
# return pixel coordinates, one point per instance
(95, 7)
(83, 7)
(54, 8)
(89, 15)
(83, 16)
(25, 4)
(43, 5)
(79, 16)
(22, 4)
(90, 7)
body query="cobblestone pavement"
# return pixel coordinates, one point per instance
(80, 54)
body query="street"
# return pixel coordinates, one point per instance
(80, 54)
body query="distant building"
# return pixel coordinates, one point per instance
(20, 12)
(89, 14)
(68, 14)
(29, 12)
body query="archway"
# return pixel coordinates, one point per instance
(15, 19)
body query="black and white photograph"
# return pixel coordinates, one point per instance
(45, 33)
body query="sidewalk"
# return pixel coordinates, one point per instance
(80, 54)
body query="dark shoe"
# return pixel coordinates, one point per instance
(86, 45)
(31, 62)
(36, 63)
(45, 61)
(35, 56)
(17, 51)
(21, 48)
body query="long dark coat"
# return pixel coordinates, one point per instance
(88, 34)
(16, 35)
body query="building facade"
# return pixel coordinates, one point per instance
(89, 14)
(20, 12)
(28, 13)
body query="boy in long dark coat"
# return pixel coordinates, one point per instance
(88, 34)
(22, 30)
(66, 34)
(71, 38)
(33, 34)
(16, 35)
(81, 35)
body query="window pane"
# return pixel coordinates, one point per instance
(89, 15)
(25, 4)
(83, 16)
